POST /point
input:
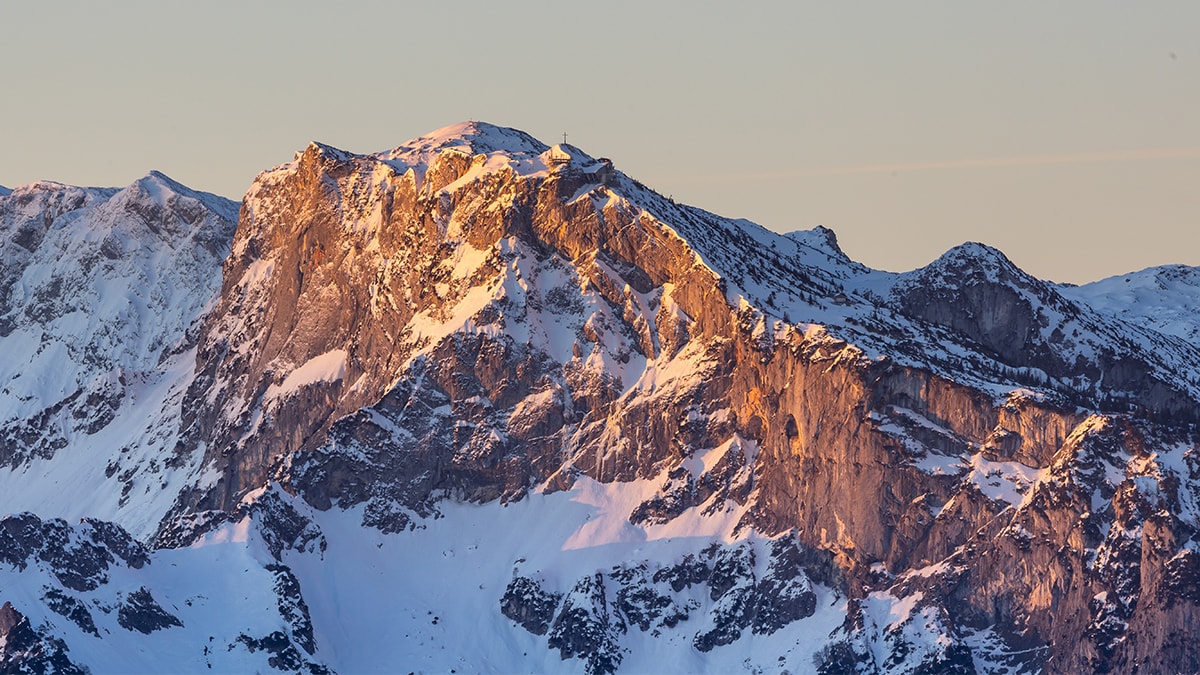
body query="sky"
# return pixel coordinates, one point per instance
(1066, 134)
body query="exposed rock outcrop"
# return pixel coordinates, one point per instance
(25, 650)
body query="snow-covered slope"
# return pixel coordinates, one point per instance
(236, 601)
(478, 385)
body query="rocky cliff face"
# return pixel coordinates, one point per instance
(701, 435)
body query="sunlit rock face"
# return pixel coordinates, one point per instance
(693, 434)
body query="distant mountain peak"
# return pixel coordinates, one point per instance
(42, 186)
(1165, 298)
(155, 191)
(159, 180)
(1177, 274)
(974, 255)
(154, 185)
(974, 263)
(824, 240)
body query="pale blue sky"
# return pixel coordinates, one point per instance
(1066, 134)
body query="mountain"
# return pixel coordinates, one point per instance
(479, 403)
(1163, 298)
(99, 306)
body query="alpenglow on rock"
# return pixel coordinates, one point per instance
(482, 403)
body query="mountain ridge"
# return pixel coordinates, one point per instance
(689, 412)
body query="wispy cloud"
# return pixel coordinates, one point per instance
(980, 163)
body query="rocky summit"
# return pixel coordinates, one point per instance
(480, 404)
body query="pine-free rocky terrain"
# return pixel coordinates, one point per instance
(479, 404)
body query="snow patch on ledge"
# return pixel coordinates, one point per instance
(328, 367)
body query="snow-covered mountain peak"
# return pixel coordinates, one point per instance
(32, 206)
(1178, 276)
(4, 191)
(823, 239)
(66, 247)
(37, 186)
(469, 138)
(157, 186)
(479, 137)
(162, 189)
(972, 262)
(481, 146)
(1165, 298)
(1170, 278)
(164, 207)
